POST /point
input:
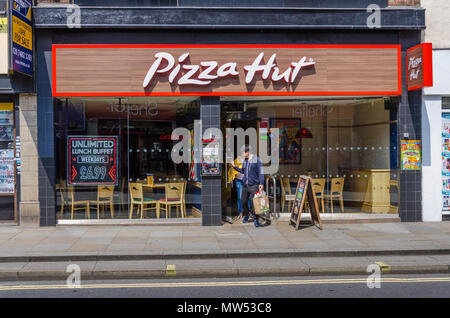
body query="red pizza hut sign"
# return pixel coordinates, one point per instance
(225, 70)
(420, 66)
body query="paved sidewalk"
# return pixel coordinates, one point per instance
(113, 252)
(370, 238)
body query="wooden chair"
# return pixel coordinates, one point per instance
(183, 199)
(63, 197)
(336, 192)
(319, 189)
(78, 204)
(123, 195)
(174, 197)
(286, 193)
(137, 197)
(105, 197)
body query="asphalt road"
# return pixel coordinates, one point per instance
(435, 286)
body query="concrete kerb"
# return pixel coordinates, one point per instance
(215, 273)
(63, 257)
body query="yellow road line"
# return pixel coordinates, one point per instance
(228, 284)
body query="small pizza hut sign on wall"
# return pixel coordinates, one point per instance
(420, 66)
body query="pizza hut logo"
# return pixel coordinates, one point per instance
(181, 72)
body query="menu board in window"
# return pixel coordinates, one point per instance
(92, 160)
(210, 158)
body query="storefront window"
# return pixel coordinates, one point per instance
(114, 154)
(114, 159)
(8, 153)
(348, 147)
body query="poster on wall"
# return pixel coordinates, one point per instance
(6, 114)
(7, 171)
(6, 133)
(92, 160)
(446, 161)
(411, 155)
(210, 158)
(290, 143)
(6, 117)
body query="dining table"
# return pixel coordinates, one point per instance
(155, 185)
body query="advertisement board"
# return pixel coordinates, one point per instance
(7, 177)
(92, 160)
(7, 173)
(446, 161)
(210, 158)
(22, 37)
(411, 154)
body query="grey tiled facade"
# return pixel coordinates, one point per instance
(211, 186)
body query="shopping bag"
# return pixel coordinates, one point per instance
(261, 203)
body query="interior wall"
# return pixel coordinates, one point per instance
(344, 135)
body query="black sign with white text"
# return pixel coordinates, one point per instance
(92, 160)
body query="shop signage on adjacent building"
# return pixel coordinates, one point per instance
(4, 51)
(92, 160)
(446, 161)
(7, 170)
(174, 70)
(419, 61)
(22, 37)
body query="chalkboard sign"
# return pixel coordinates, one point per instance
(92, 160)
(304, 193)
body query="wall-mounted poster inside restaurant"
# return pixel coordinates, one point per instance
(76, 116)
(92, 160)
(411, 155)
(7, 171)
(290, 141)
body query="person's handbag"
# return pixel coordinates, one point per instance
(261, 203)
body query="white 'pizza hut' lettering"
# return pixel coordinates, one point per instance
(209, 71)
(413, 66)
